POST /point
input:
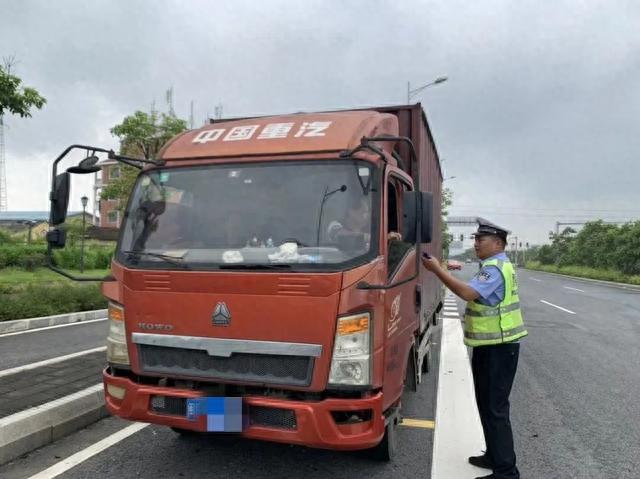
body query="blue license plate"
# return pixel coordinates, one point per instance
(224, 414)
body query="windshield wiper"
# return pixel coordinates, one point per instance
(175, 260)
(255, 266)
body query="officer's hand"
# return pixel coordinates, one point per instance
(430, 263)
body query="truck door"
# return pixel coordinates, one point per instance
(401, 318)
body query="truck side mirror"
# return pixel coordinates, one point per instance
(57, 238)
(409, 216)
(60, 199)
(426, 209)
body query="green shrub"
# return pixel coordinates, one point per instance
(95, 257)
(5, 238)
(33, 256)
(13, 254)
(42, 300)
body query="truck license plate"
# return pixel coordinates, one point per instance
(224, 414)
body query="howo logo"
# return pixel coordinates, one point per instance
(155, 326)
(221, 315)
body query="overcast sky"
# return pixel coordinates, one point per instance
(538, 121)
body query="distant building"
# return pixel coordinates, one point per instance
(106, 214)
(35, 221)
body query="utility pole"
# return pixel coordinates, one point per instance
(3, 171)
(191, 116)
(515, 250)
(169, 97)
(218, 111)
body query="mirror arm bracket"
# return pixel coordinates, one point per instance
(135, 162)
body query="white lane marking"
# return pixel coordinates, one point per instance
(574, 289)
(448, 314)
(556, 306)
(458, 433)
(536, 279)
(46, 362)
(77, 323)
(81, 456)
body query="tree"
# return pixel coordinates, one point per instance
(14, 98)
(141, 135)
(447, 200)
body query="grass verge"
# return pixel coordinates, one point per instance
(42, 292)
(585, 272)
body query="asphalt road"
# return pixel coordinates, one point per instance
(574, 406)
(575, 411)
(38, 345)
(157, 452)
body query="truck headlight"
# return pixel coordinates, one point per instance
(351, 362)
(116, 340)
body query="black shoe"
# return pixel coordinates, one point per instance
(481, 461)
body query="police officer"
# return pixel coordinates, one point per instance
(492, 327)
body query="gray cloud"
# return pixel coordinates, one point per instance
(537, 122)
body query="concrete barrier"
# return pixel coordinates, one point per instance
(18, 325)
(35, 427)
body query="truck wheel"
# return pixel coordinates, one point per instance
(426, 363)
(386, 450)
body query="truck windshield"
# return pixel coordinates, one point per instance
(313, 214)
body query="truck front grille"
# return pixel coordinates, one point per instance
(272, 417)
(259, 368)
(169, 405)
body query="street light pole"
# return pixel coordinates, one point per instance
(415, 91)
(84, 201)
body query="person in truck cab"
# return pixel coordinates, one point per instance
(356, 221)
(492, 327)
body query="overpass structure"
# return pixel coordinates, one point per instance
(464, 220)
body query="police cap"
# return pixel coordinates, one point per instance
(488, 228)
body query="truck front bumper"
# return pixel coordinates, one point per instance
(312, 424)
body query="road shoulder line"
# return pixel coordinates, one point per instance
(458, 433)
(89, 452)
(47, 362)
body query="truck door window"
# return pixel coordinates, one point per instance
(396, 247)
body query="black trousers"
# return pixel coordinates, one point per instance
(494, 368)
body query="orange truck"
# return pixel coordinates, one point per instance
(267, 278)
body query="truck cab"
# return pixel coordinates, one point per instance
(267, 282)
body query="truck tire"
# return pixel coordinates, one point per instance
(386, 450)
(186, 432)
(426, 363)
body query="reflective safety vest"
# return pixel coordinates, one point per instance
(485, 325)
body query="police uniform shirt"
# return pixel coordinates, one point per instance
(489, 283)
